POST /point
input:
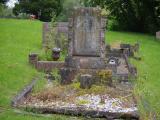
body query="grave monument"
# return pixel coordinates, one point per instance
(89, 61)
(86, 42)
(87, 49)
(86, 39)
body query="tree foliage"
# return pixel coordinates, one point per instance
(3, 1)
(132, 15)
(43, 9)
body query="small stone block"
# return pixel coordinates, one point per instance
(85, 81)
(67, 75)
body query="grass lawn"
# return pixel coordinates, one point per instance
(147, 88)
(19, 37)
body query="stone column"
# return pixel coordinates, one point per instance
(70, 37)
(102, 36)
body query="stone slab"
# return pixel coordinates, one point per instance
(85, 62)
(86, 33)
(48, 66)
(87, 113)
(21, 96)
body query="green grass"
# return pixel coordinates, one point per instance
(17, 39)
(147, 88)
(20, 37)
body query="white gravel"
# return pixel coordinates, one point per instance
(93, 102)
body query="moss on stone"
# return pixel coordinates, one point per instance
(82, 102)
(105, 76)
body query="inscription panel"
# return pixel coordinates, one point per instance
(86, 29)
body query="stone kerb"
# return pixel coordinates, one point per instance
(45, 66)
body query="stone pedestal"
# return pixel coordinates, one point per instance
(79, 62)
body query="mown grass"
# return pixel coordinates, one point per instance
(147, 86)
(19, 37)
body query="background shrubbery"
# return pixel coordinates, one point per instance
(125, 15)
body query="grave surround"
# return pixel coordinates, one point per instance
(87, 48)
(87, 56)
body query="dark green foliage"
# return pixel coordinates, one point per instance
(132, 15)
(67, 9)
(3, 1)
(43, 9)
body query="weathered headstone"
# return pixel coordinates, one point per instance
(86, 38)
(158, 35)
(86, 35)
(59, 30)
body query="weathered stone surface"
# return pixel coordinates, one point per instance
(67, 75)
(45, 31)
(123, 46)
(108, 48)
(88, 113)
(133, 71)
(87, 50)
(86, 32)
(62, 27)
(105, 106)
(113, 68)
(85, 62)
(114, 53)
(61, 34)
(130, 49)
(158, 35)
(48, 66)
(21, 96)
(86, 81)
(33, 58)
(87, 39)
(60, 31)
